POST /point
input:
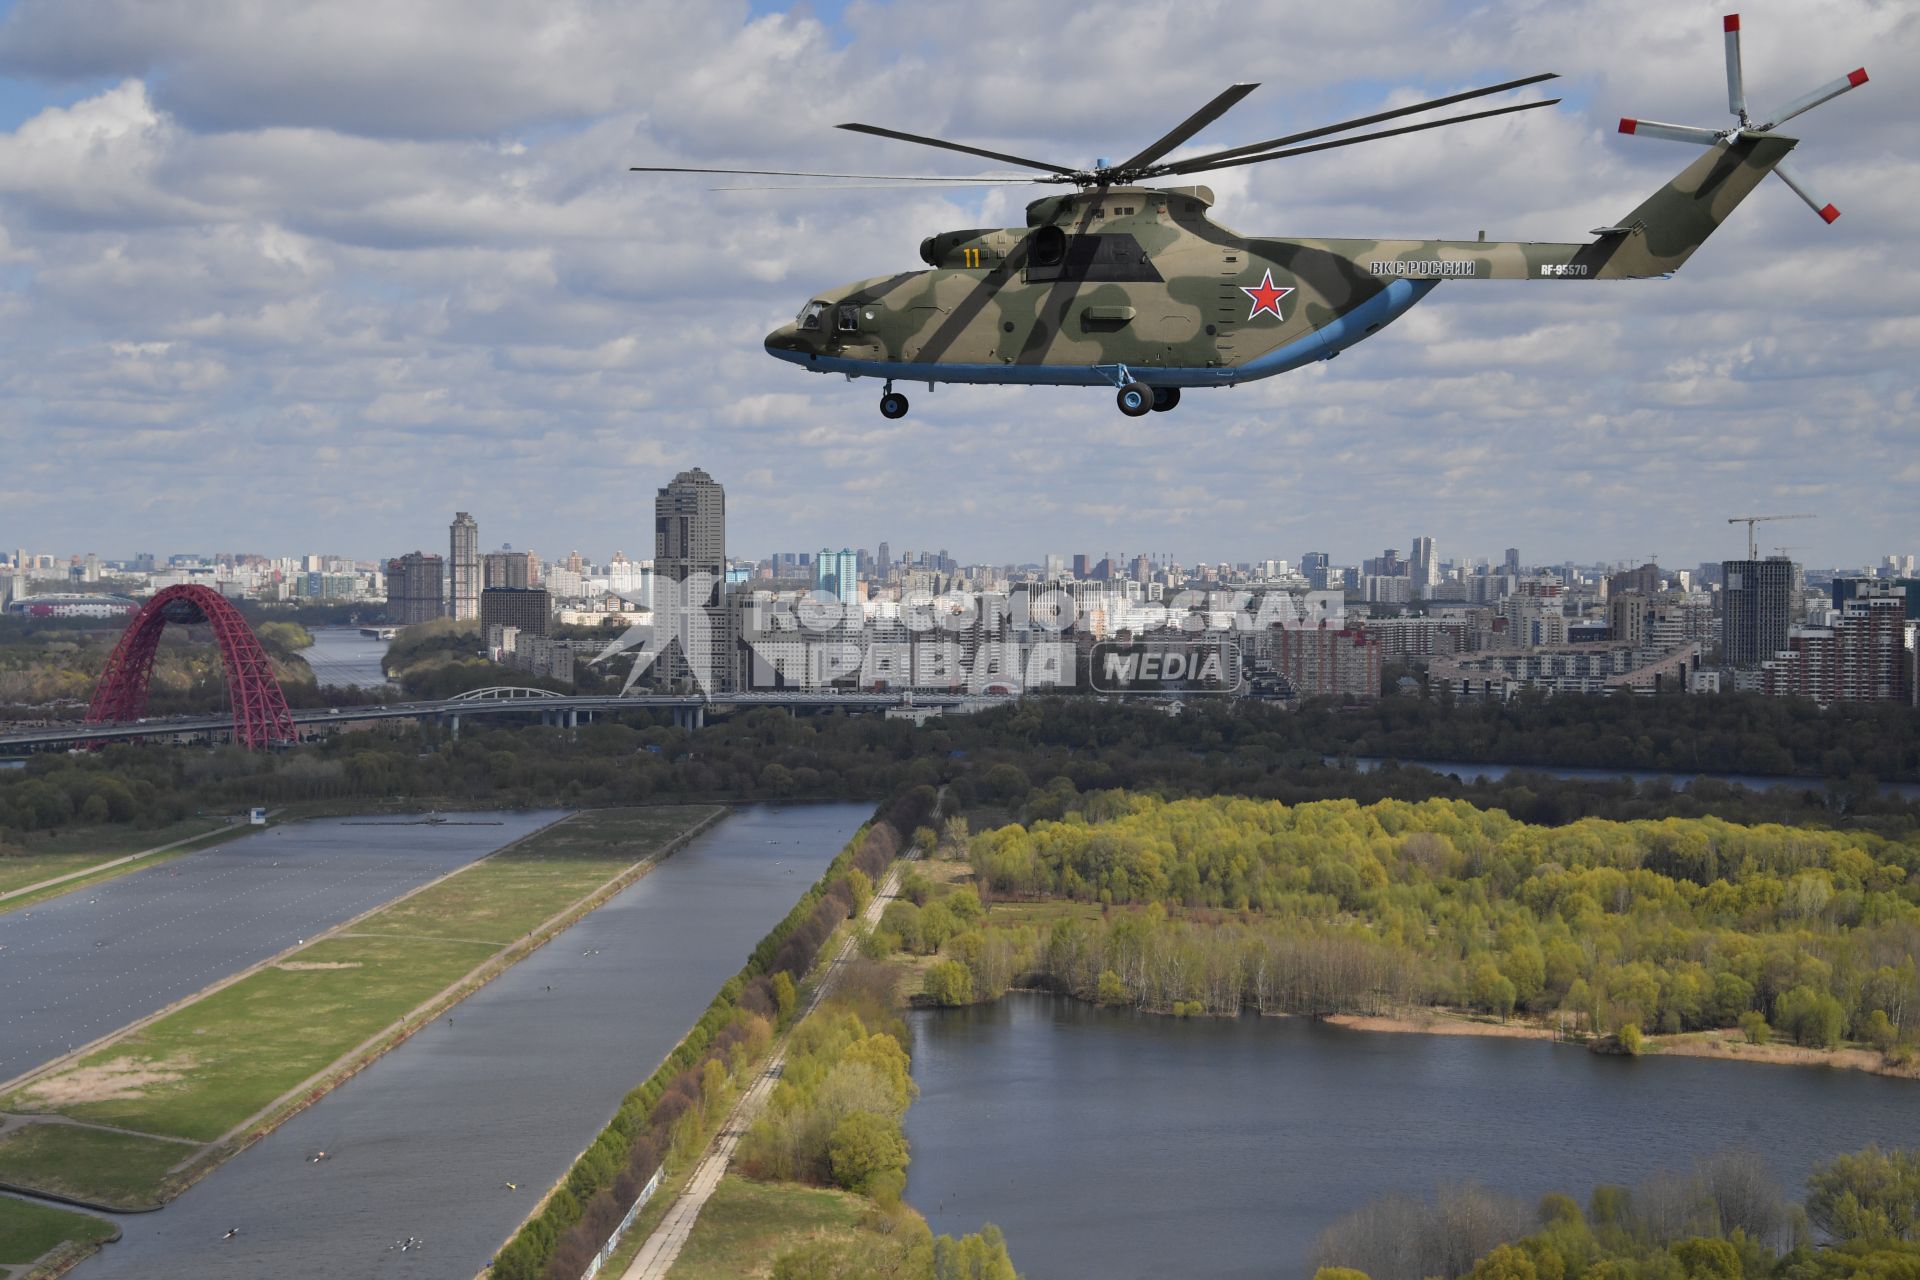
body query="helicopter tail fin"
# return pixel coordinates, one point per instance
(1660, 235)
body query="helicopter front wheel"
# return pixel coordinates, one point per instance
(893, 405)
(1136, 399)
(1165, 398)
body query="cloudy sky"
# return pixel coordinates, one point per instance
(290, 278)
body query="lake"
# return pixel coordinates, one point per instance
(1119, 1145)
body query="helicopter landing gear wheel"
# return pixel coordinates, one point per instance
(893, 405)
(1165, 398)
(1136, 399)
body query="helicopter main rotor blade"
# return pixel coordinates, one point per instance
(898, 184)
(1194, 166)
(943, 144)
(1287, 141)
(870, 177)
(1221, 104)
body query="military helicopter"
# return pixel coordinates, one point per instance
(1138, 288)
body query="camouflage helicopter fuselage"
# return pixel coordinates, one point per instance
(1130, 284)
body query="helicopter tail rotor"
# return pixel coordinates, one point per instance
(1746, 127)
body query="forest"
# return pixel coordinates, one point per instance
(1617, 928)
(51, 665)
(1724, 1219)
(1033, 761)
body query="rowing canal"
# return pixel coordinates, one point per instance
(425, 1141)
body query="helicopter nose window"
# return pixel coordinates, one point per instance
(810, 315)
(849, 319)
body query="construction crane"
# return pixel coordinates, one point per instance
(1753, 551)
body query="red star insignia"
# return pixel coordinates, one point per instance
(1266, 296)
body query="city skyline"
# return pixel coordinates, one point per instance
(305, 287)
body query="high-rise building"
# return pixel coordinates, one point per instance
(1422, 567)
(1629, 618)
(1644, 581)
(463, 566)
(1512, 562)
(1319, 662)
(528, 608)
(837, 573)
(1082, 566)
(883, 562)
(413, 588)
(689, 541)
(1756, 609)
(1845, 589)
(517, 569)
(1862, 657)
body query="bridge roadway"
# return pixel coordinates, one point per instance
(689, 708)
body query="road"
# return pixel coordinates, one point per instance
(88, 962)
(657, 1255)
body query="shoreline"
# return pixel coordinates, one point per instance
(1725, 1045)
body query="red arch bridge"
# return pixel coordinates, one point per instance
(260, 715)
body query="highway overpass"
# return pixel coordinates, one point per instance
(689, 711)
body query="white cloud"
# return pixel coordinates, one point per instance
(353, 266)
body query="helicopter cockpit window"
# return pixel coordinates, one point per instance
(810, 315)
(849, 319)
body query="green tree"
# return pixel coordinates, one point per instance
(1702, 1258)
(1629, 1039)
(1491, 990)
(863, 1147)
(785, 995)
(1753, 1025)
(1813, 1018)
(949, 983)
(1869, 1196)
(1110, 989)
(1507, 1262)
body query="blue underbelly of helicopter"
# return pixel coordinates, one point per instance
(1329, 340)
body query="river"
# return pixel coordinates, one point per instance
(341, 656)
(1471, 772)
(424, 1142)
(1118, 1145)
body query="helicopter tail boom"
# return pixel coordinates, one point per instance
(1653, 240)
(1662, 233)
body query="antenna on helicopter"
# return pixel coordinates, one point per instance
(1737, 104)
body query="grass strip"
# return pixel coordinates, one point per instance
(44, 858)
(746, 1224)
(114, 1170)
(28, 1231)
(213, 1064)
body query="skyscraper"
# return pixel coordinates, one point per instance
(463, 565)
(837, 573)
(413, 588)
(690, 540)
(1512, 565)
(517, 569)
(1756, 609)
(1422, 567)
